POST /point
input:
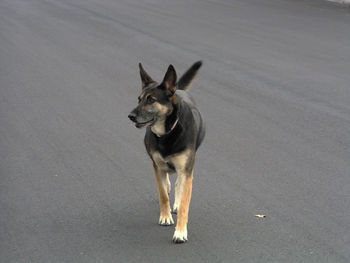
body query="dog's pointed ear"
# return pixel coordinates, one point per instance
(145, 78)
(169, 80)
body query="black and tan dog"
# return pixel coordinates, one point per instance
(174, 132)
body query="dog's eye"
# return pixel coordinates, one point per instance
(150, 99)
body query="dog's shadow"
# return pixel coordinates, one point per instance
(134, 225)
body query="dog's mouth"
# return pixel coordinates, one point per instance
(143, 124)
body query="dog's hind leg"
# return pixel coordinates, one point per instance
(168, 183)
(163, 185)
(178, 193)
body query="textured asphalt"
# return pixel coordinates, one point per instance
(76, 184)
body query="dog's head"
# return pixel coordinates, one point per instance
(156, 100)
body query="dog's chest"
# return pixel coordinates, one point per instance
(159, 127)
(173, 162)
(167, 145)
(161, 162)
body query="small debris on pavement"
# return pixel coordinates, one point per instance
(261, 216)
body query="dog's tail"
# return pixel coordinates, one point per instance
(186, 79)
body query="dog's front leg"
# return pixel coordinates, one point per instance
(163, 185)
(183, 198)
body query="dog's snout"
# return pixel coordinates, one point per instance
(132, 117)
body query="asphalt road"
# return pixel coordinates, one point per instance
(76, 184)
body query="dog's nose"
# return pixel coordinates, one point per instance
(132, 117)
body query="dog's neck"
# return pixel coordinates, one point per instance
(167, 124)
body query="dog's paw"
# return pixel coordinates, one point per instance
(166, 221)
(180, 236)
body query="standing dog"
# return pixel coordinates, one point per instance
(174, 132)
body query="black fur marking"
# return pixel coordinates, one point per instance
(187, 78)
(145, 78)
(172, 119)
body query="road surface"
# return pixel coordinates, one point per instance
(76, 184)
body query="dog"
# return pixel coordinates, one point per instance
(174, 132)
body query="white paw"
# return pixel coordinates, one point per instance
(166, 221)
(180, 236)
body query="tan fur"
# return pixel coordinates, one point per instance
(158, 128)
(163, 186)
(182, 215)
(159, 161)
(173, 99)
(180, 161)
(142, 95)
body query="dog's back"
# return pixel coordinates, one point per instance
(198, 123)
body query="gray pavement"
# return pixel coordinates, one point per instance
(76, 184)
